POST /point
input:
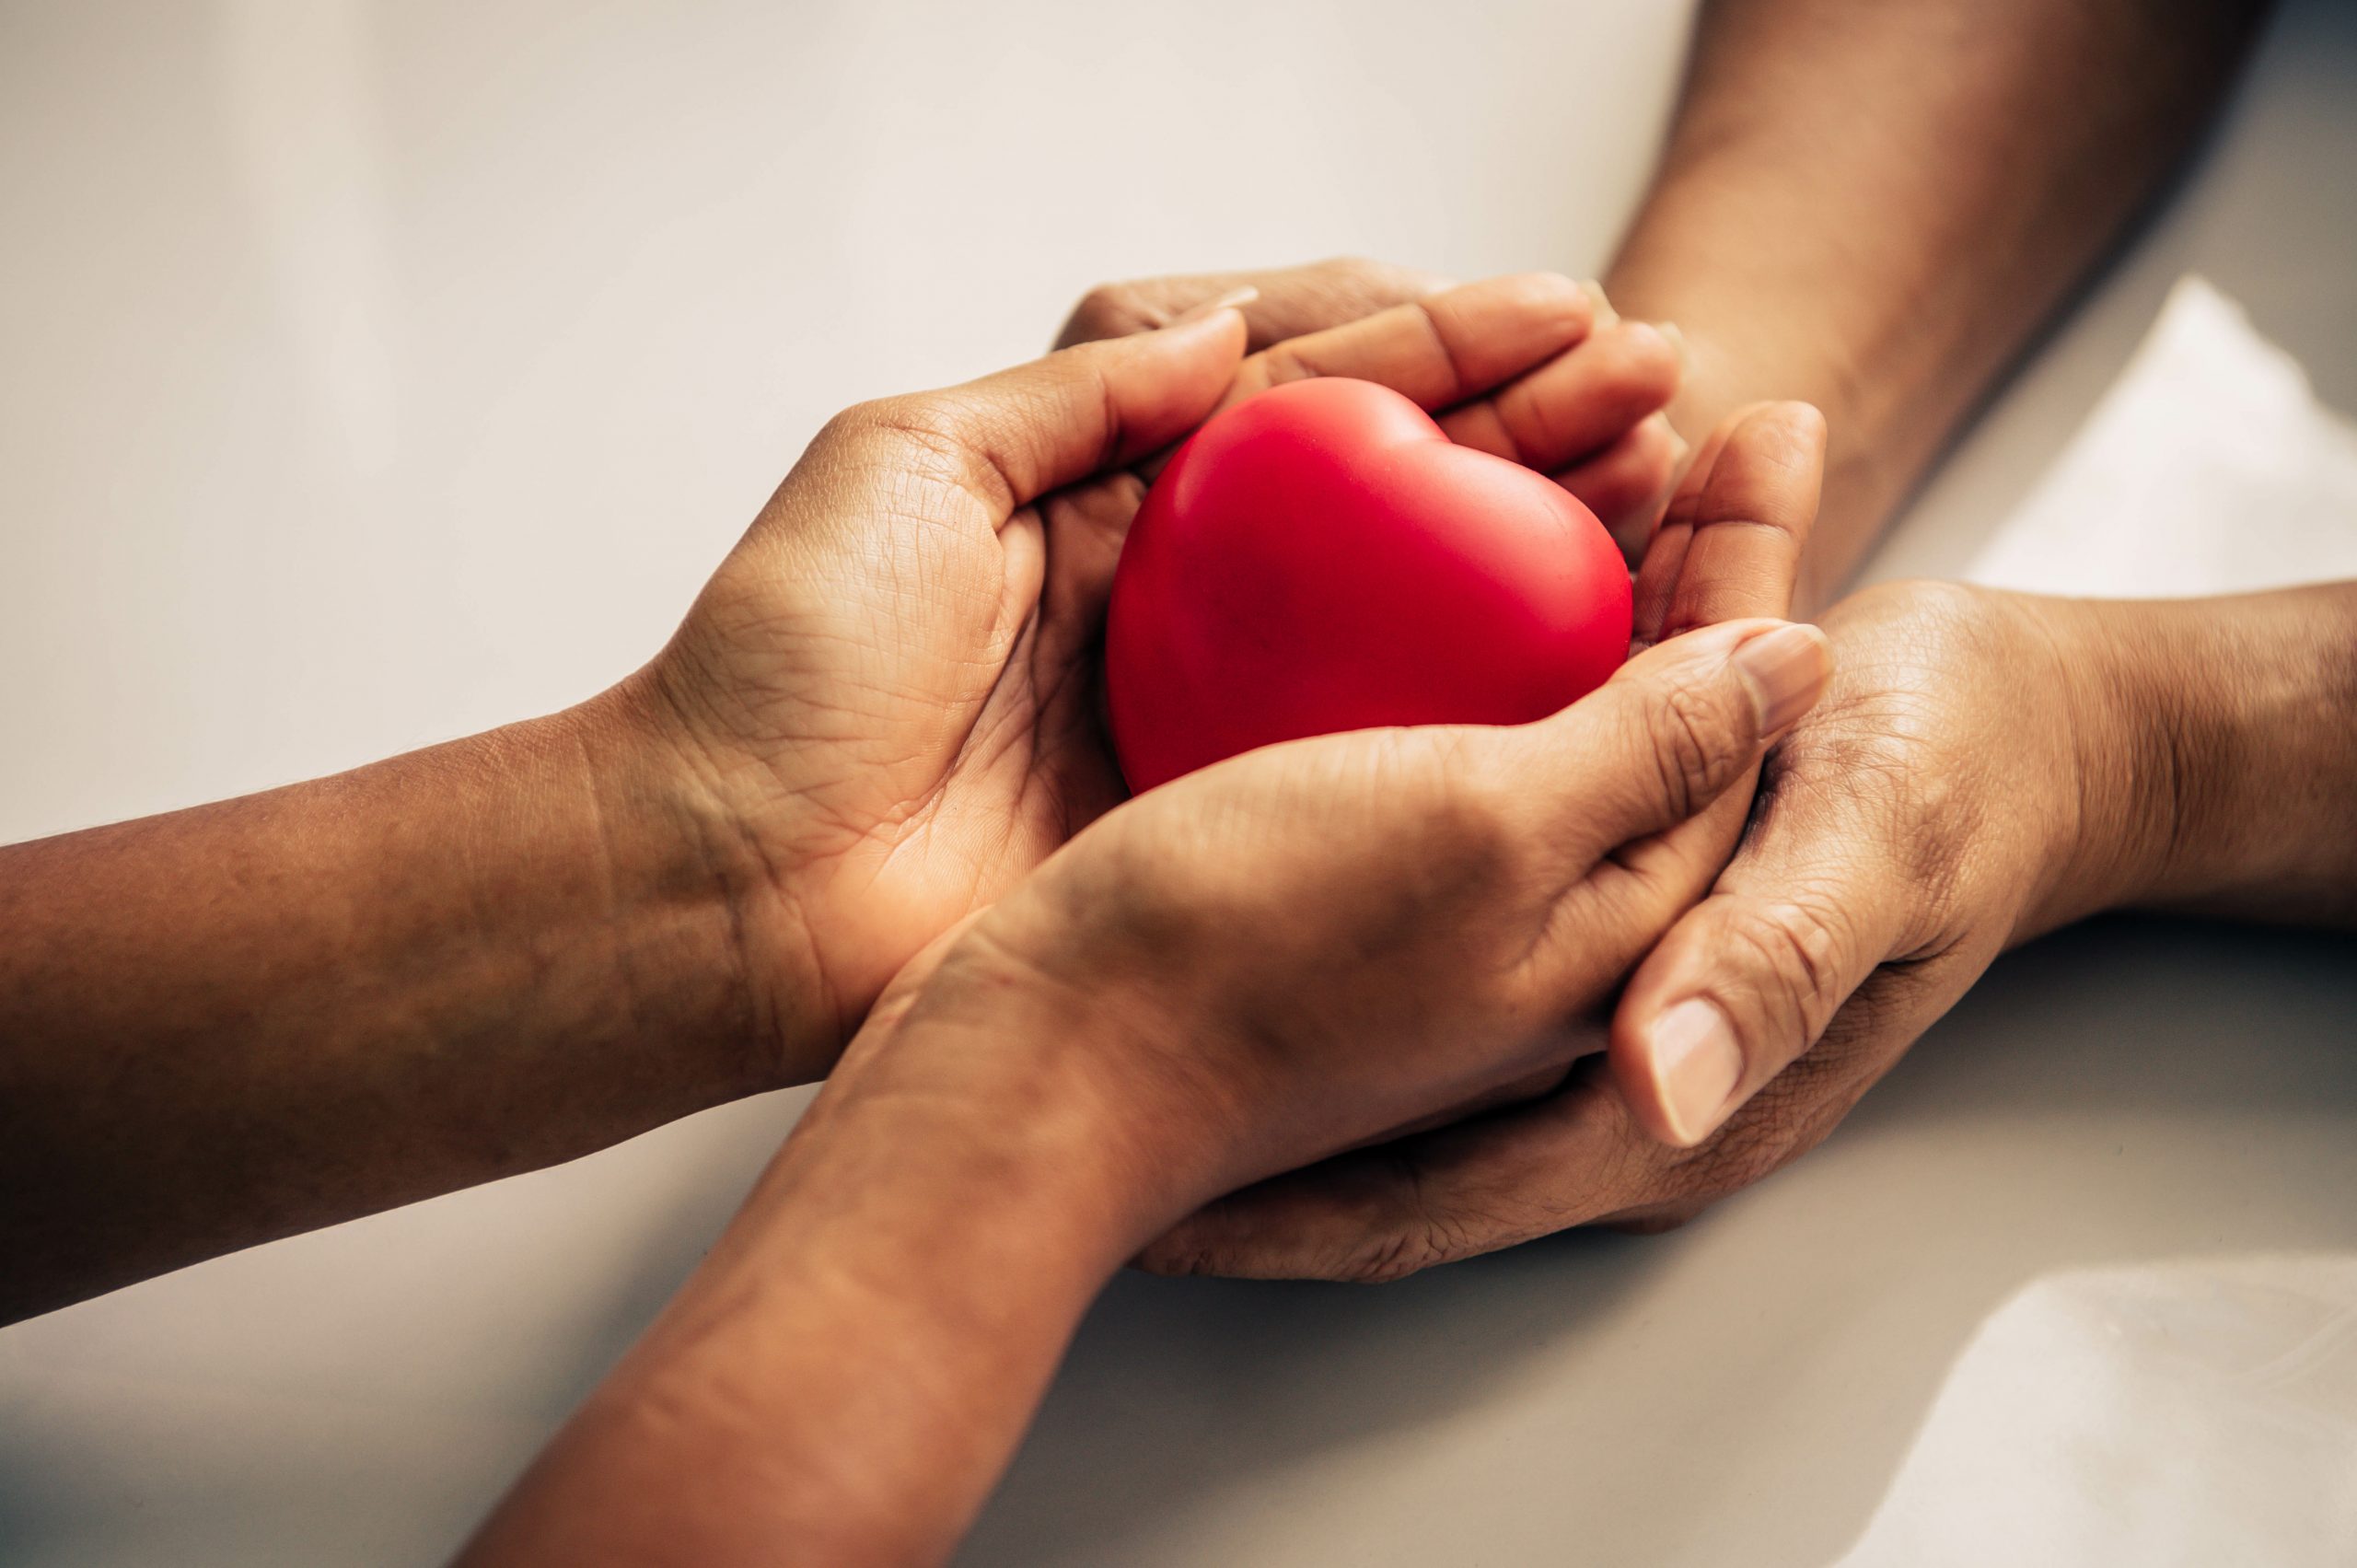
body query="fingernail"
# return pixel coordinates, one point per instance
(1604, 314)
(1696, 1065)
(1208, 307)
(1784, 670)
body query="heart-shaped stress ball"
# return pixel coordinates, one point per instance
(1321, 557)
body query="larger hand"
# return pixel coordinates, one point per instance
(1925, 814)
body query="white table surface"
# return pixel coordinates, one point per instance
(375, 374)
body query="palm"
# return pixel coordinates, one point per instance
(897, 670)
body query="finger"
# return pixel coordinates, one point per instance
(1086, 528)
(1730, 544)
(1006, 439)
(1441, 349)
(1670, 732)
(1473, 1187)
(1292, 301)
(1750, 977)
(1577, 403)
(1627, 483)
(1576, 1157)
(1605, 314)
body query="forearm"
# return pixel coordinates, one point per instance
(236, 1022)
(851, 1369)
(1871, 205)
(2219, 754)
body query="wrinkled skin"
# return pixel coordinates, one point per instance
(1921, 817)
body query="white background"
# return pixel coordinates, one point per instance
(372, 374)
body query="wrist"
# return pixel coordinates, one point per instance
(2239, 770)
(2153, 751)
(1074, 1084)
(2107, 810)
(846, 1373)
(708, 949)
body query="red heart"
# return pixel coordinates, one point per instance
(1322, 557)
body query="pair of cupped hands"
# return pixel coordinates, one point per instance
(1334, 1008)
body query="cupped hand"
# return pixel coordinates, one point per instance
(1608, 441)
(1923, 815)
(1320, 943)
(887, 698)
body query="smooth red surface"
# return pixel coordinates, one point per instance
(1322, 558)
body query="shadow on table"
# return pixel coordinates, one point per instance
(2104, 1056)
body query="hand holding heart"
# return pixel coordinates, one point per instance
(889, 691)
(1323, 942)
(1343, 938)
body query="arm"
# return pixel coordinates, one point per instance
(2242, 723)
(1985, 767)
(1870, 205)
(240, 1021)
(847, 1374)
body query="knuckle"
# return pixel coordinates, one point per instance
(929, 437)
(925, 418)
(1109, 311)
(1357, 270)
(1802, 944)
(1356, 285)
(1642, 366)
(1695, 740)
(1283, 362)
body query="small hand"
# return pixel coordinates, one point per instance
(1921, 817)
(1611, 445)
(888, 692)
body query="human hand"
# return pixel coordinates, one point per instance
(886, 695)
(1320, 943)
(1924, 815)
(1619, 454)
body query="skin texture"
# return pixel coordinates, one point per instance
(1872, 207)
(233, 1023)
(1888, 278)
(1197, 991)
(1590, 420)
(1158, 1015)
(2054, 758)
(1194, 992)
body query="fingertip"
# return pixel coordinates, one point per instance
(1805, 419)
(1680, 1070)
(1785, 670)
(1159, 385)
(1627, 484)
(1655, 360)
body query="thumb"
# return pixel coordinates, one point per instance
(1742, 985)
(1009, 438)
(1674, 729)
